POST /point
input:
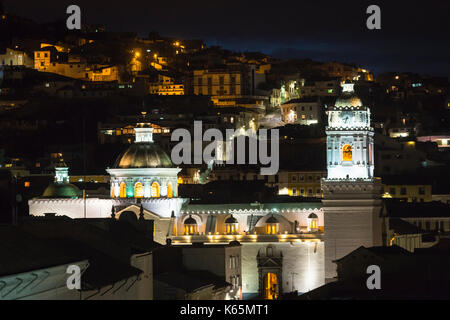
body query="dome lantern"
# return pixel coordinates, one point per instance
(231, 225)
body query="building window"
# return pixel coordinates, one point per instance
(403, 191)
(155, 190)
(392, 191)
(347, 153)
(123, 190)
(421, 190)
(138, 190)
(169, 190)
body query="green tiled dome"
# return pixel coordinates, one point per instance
(62, 190)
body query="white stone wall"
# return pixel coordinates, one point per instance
(306, 259)
(73, 208)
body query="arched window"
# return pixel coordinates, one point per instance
(155, 190)
(123, 190)
(113, 186)
(169, 190)
(347, 153)
(138, 190)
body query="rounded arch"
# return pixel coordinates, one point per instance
(138, 190)
(123, 190)
(169, 190)
(155, 189)
(347, 153)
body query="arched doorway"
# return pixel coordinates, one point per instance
(123, 190)
(270, 286)
(155, 190)
(138, 190)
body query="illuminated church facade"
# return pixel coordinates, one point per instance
(284, 246)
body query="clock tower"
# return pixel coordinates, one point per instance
(352, 195)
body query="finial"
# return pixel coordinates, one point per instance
(113, 212)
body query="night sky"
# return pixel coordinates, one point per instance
(414, 35)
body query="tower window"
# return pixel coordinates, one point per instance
(347, 153)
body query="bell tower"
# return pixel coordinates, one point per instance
(352, 195)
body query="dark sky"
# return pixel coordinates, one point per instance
(414, 35)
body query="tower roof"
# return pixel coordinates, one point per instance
(348, 97)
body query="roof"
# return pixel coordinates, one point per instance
(62, 190)
(143, 155)
(403, 209)
(22, 252)
(190, 281)
(406, 179)
(380, 251)
(235, 207)
(308, 99)
(400, 226)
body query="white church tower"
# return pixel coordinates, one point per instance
(352, 195)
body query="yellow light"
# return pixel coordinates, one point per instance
(155, 56)
(137, 54)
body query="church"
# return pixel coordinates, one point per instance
(286, 246)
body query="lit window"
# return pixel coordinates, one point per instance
(123, 190)
(155, 190)
(347, 153)
(169, 190)
(27, 184)
(138, 190)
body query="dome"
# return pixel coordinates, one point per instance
(143, 155)
(231, 219)
(272, 219)
(62, 190)
(348, 98)
(190, 220)
(313, 216)
(348, 101)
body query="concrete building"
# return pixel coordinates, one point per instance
(304, 111)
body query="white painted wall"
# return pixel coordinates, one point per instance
(305, 258)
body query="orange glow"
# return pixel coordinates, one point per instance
(169, 190)
(123, 190)
(138, 190)
(270, 286)
(347, 153)
(155, 190)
